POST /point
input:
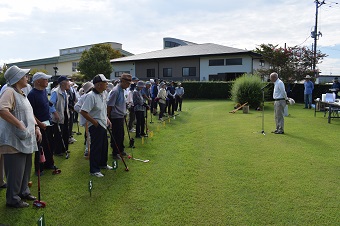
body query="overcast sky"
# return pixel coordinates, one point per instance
(35, 29)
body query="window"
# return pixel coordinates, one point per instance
(75, 66)
(81, 49)
(150, 73)
(73, 50)
(234, 61)
(64, 51)
(171, 44)
(217, 62)
(167, 72)
(188, 71)
(262, 63)
(119, 73)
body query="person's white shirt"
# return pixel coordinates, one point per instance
(279, 90)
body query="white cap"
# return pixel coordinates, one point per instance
(40, 75)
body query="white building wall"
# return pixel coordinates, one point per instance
(120, 67)
(65, 68)
(258, 65)
(207, 70)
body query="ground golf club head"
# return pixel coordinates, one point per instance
(56, 171)
(39, 204)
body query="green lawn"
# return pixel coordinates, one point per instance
(207, 167)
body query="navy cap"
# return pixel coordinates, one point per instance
(62, 78)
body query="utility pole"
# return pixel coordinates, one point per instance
(315, 33)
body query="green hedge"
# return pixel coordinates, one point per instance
(207, 90)
(222, 90)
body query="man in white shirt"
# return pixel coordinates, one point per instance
(280, 97)
(94, 110)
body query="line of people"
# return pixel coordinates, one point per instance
(35, 120)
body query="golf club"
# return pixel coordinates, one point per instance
(56, 170)
(120, 153)
(146, 122)
(141, 160)
(131, 140)
(63, 143)
(151, 117)
(78, 133)
(38, 203)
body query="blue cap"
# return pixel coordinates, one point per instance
(62, 78)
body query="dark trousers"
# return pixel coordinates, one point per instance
(59, 137)
(18, 171)
(75, 116)
(140, 125)
(178, 105)
(118, 135)
(70, 124)
(153, 107)
(98, 147)
(171, 106)
(47, 140)
(162, 110)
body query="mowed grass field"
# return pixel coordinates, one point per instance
(207, 167)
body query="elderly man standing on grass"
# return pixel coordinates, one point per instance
(280, 97)
(116, 111)
(60, 115)
(308, 91)
(94, 110)
(41, 109)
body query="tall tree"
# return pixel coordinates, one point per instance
(97, 61)
(291, 63)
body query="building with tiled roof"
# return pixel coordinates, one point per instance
(181, 60)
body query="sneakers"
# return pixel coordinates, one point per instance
(97, 174)
(124, 153)
(107, 167)
(277, 132)
(71, 140)
(19, 204)
(28, 197)
(132, 130)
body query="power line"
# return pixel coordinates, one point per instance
(304, 41)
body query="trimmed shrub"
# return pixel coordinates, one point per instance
(247, 88)
(207, 90)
